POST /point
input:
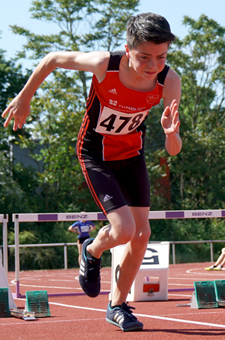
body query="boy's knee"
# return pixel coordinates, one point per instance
(143, 236)
(123, 234)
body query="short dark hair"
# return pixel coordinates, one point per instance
(148, 27)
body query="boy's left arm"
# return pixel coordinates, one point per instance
(170, 117)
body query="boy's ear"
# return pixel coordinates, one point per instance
(127, 51)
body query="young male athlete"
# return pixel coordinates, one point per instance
(110, 145)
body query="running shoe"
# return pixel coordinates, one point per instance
(219, 267)
(210, 268)
(89, 274)
(121, 316)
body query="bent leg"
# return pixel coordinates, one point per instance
(221, 259)
(120, 231)
(133, 255)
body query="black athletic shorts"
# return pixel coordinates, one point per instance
(114, 184)
(82, 239)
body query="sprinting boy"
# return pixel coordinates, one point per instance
(110, 145)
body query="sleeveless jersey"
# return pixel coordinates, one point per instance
(113, 126)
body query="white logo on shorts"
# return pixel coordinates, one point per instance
(107, 198)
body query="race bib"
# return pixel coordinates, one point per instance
(84, 229)
(114, 122)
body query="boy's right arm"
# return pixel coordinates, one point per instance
(19, 108)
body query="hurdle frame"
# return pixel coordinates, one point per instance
(4, 221)
(97, 216)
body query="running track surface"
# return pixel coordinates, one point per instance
(80, 317)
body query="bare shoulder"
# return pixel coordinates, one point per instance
(98, 63)
(172, 88)
(172, 77)
(98, 58)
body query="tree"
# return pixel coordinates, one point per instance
(58, 108)
(12, 80)
(202, 71)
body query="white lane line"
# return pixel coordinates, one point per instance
(53, 287)
(207, 324)
(192, 271)
(180, 295)
(46, 287)
(146, 316)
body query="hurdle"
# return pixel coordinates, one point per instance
(48, 217)
(4, 285)
(98, 216)
(4, 221)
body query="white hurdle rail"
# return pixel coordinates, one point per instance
(4, 221)
(48, 217)
(95, 216)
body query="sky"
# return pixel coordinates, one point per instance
(16, 12)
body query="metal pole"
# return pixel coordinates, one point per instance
(211, 250)
(65, 256)
(17, 255)
(174, 253)
(5, 245)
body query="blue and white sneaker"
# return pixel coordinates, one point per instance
(89, 274)
(121, 316)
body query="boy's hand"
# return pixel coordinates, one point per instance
(18, 110)
(170, 119)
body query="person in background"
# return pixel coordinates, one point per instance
(83, 229)
(219, 263)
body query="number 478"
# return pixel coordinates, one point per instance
(111, 122)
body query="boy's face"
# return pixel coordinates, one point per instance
(148, 58)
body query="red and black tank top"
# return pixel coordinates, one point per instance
(113, 125)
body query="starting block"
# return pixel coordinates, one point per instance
(37, 302)
(4, 303)
(151, 282)
(220, 292)
(204, 295)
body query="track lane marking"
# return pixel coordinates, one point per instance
(145, 316)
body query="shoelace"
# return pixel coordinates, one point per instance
(126, 309)
(93, 272)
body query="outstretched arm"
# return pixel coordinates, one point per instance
(170, 117)
(19, 108)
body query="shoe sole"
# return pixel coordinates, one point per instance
(138, 328)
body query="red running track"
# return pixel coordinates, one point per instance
(80, 317)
